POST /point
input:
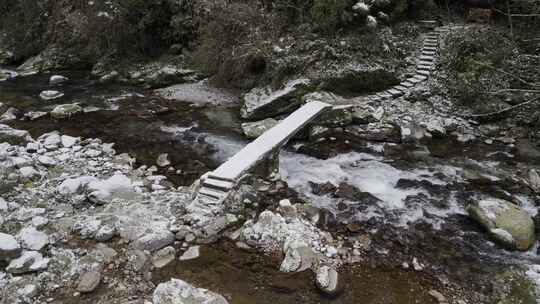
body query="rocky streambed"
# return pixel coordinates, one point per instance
(386, 202)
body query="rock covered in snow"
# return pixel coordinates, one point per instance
(179, 292)
(33, 239)
(102, 191)
(298, 257)
(508, 224)
(29, 261)
(66, 110)
(266, 102)
(327, 280)
(50, 95)
(57, 79)
(9, 247)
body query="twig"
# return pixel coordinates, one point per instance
(500, 112)
(506, 73)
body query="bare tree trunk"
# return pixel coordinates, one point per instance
(509, 13)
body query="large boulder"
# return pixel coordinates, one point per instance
(179, 292)
(508, 224)
(359, 79)
(266, 102)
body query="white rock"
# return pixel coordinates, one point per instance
(105, 233)
(50, 95)
(39, 221)
(88, 281)
(29, 261)
(33, 239)
(179, 292)
(163, 160)
(57, 79)
(327, 280)
(29, 172)
(190, 254)
(9, 248)
(534, 180)
(74, 185)
(69, 141)
(163, 257)
(47, 161)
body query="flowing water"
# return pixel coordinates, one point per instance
(420, 211)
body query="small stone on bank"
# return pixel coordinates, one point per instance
(89, 281)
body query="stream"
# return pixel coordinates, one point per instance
(417, 211)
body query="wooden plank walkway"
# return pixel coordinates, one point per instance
(217, 183)
(257, 150)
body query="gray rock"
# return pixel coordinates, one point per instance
(338, 116)
(9, 248)
(266, 102)
(163, 257)
(534, 180)
(13, 136)
(298, 257)
(163, 160)
(9, 115)
(507, 223)
(66, 111)
(327, 280)
(138, 260)
(57, 79)
(255, 129)
(69, 141)
(381, 132)
(29, 173)
(88, 281)
(105, 233)
(47, 161)
(50, 95)
(154, 241)
(190, 254)
(367, 114)
(29, 261)
(179, 292)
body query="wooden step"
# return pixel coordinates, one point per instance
(407, 84)
(218, 184)
(395, 93)
(216, 194)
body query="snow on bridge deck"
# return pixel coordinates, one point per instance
(223, 178)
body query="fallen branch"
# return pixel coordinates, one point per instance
(497, 114)
(514, 90)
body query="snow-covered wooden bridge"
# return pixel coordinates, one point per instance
(216, 184)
